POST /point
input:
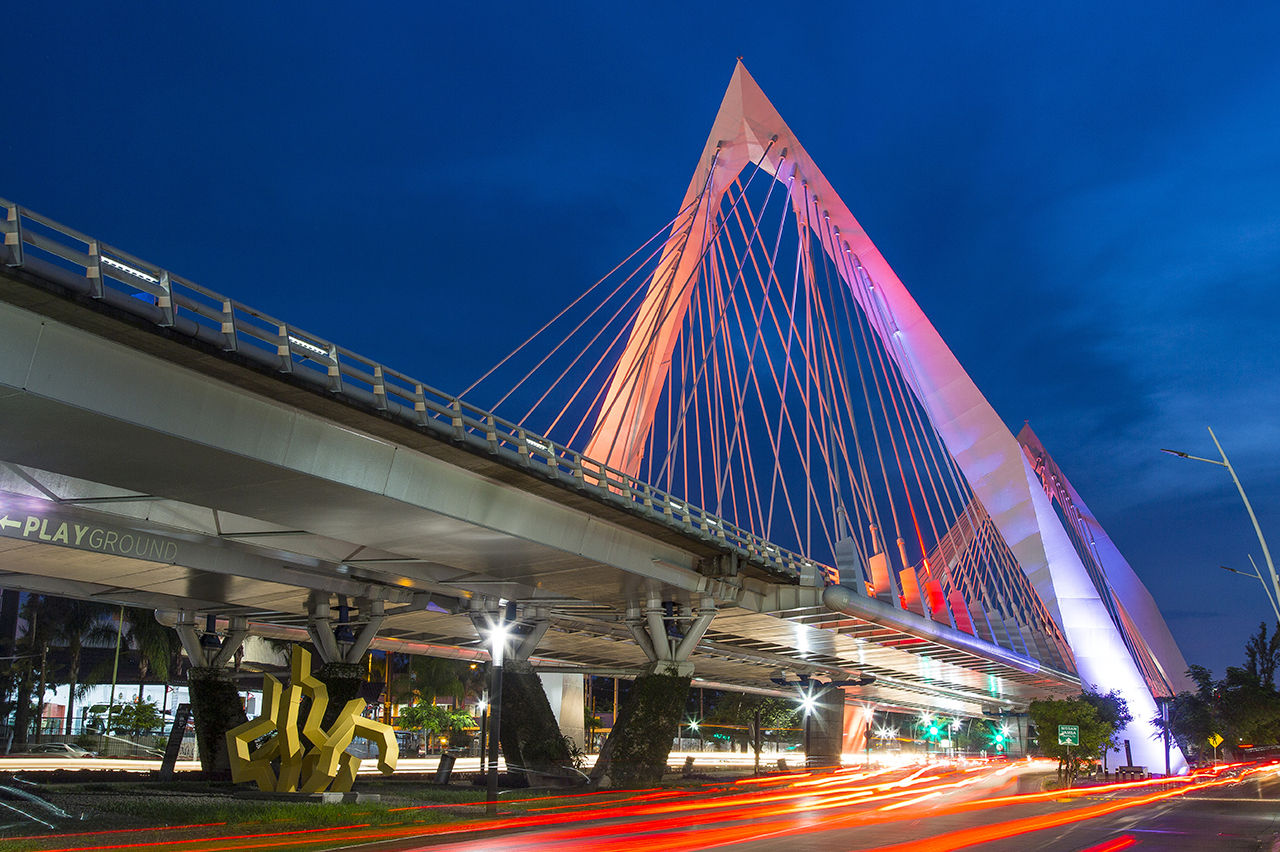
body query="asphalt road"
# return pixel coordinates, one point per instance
(906, 810)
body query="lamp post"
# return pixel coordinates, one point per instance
(1258, 576)
(1266, 552)
(483, 706)
(808, 703)
(1164, 729)
(498, 638)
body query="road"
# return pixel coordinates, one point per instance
(917, 808)
(925, 809)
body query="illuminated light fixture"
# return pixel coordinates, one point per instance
(808, 702)
(482, 705)
(128, 270)
(498, 637)
(310, 347)
(693, 725)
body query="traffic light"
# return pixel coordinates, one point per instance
(998, 739)
(933, 732)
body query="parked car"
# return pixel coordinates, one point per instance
(70, 750)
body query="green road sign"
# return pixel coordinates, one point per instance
(1069, 735)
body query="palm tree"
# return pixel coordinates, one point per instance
(436, 676)
(32, 666)
(157, 647)
(81, 622)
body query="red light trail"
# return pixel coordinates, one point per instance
(751, 811)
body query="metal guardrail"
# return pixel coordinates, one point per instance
(93, 268)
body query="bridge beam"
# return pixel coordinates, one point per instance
(334, 638)
(668, 637)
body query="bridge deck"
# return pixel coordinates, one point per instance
(97, 399)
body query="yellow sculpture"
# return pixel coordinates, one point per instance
(326, 764)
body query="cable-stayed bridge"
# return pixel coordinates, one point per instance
(744, 452)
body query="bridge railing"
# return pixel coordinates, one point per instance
(92, 268)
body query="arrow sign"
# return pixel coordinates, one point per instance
(5, 523)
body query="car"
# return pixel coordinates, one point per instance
(69, 750)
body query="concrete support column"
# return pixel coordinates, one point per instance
(532, 740)
(825, 729)
(215, 699)
(857, 730)
(635, 754)
(567, 696)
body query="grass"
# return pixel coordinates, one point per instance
(190, 810)
(156, 813)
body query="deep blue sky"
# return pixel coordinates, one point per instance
(1085, 198)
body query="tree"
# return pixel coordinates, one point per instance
(1243, 706)
(32, 664)
(431, 719)
(737, 710)
(1190, 723)
(431, 677)
(1262, 656)
(156, 646)
(1095, 733)
(1113, 710)
(136, 717)
(1248, 710)
(80, 623)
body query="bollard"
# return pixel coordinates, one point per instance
(445, 768)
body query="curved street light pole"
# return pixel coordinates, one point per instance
(1258, 576)
(1266, 552)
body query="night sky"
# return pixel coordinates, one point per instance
(1085, 199)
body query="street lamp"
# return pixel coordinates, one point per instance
(808, 703)
(1266, 552)
(483, 706)
(498, 639)
(1257, 576)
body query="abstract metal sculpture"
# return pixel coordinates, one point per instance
(305, 757)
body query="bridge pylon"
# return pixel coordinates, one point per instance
(749, 137)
